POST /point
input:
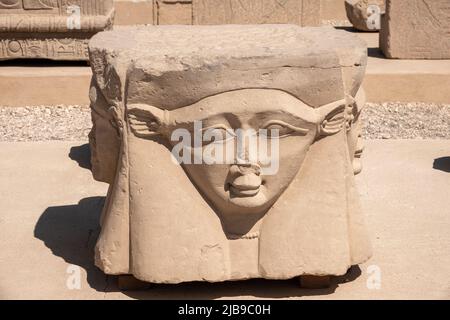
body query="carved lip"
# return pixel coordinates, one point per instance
(243, 192)
(245, 185)
(358, 153)
(244, 189)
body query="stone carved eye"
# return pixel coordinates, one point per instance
(281, 129)
(216, 134)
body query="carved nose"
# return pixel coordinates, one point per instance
(245, 168)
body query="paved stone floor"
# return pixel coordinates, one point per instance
(49, 209)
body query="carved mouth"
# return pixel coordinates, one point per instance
(240, 191)
(358, 153)
(245, 185)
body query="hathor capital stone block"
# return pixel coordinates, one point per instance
(51, 29)
(165, 222)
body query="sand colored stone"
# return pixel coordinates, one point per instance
(173, 12)
(416, 29)
(386, 80)
(301, 12)
(212, 12)
(365, 15)
(163, 12)
(170, 223)
(132, 12)
(332, 10)
(51, 29)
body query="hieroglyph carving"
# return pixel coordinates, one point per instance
(416, 29)
(54, 29)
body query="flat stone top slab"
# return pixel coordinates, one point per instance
(194, 45)
(199, 61)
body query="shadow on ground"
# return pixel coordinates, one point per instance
(258, 288)
(82, 155)
(442, 164)
(71, 231)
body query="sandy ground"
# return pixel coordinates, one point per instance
(49, 223)
(413, 120)
(45, 123)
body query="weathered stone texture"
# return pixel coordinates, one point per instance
(301, 12)
(166, 222)
(416, 29)
(51, 29)
(130, 12)
(174, 12)
(186, 12)
(209, 12)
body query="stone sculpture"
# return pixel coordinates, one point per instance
(416, 29)
(51, 29)
(170, 223)
(365, 15)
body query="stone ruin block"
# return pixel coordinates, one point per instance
(416, 29)
(51, 29)
(365, 15)
(171, 221)
(301, 12)
(174, 12)
(214, 12)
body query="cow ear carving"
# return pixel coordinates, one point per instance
(146, 121)
(334, 121)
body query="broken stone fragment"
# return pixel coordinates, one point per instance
(365, 14)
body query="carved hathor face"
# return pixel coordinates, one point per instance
(356, 142)
(240, 188)
(104, 138)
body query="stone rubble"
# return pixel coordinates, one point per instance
(406, 121)
(44, 123)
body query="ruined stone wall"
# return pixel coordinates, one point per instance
(206, 12)
(416, 29)
(53, 29)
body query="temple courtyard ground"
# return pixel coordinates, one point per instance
(50, 207)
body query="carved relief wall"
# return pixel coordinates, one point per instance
(416, 29)
(53, 29)
(206, 12)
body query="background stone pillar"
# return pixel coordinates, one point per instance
(416, 29)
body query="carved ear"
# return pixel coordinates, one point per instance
(334, 120)
(353, 111)
(146, 121)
